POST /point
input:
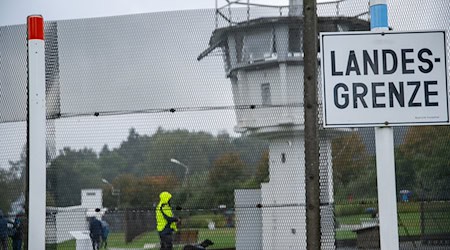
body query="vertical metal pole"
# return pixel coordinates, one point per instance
(337, 8)
(229, 13)
(248, 10)
(36, 163)
(295, 8)
(311, 127)
(217, 16)
(384, 143)
(422, 213)
(118, 200)
(387, 201)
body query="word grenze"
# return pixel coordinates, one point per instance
(410, 93)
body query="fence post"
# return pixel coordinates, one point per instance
(36, 162)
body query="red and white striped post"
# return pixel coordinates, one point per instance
(36, 133)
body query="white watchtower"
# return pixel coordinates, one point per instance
(264, 61)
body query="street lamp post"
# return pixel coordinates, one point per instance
(186, 173)
(114, 192)
(186, 169)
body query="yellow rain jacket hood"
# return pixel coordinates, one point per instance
(164, 207)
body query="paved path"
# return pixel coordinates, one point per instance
(403, 246)
(146, 246)
(406, 246)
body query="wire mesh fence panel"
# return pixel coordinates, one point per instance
(198, 115)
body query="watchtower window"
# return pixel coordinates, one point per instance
(295, 42)
(239, 40)
(258, 44)
(265, 94)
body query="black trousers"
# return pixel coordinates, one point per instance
(96, 242)
(166, 241)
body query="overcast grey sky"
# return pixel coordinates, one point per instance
(16, 11)
(79, 132)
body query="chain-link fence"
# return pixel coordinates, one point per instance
(208, 105)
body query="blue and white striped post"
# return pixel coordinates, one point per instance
(384, 142)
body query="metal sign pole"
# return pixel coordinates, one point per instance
(384, 143)
(36, 133)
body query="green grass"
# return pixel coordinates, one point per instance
(67, 245)
(409, 223)
(438, 221)
(201, 221)
(345, 235)
(222, 238)
(351, 219)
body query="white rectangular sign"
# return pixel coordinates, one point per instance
(384, 78)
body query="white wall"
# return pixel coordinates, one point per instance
(285, 88)
(66, 219)
(91, 198)
(70, 220)
(248, 219)
(283, 198)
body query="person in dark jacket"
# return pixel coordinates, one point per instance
(95, 231)
(17, 236)
(165, 221)
(3, 232)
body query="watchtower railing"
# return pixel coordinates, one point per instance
(226, 11)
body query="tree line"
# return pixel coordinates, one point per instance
(141, 168)
(422, 165)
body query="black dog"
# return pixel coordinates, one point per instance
(202, 246)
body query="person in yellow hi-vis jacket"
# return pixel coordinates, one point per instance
(165, 221)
